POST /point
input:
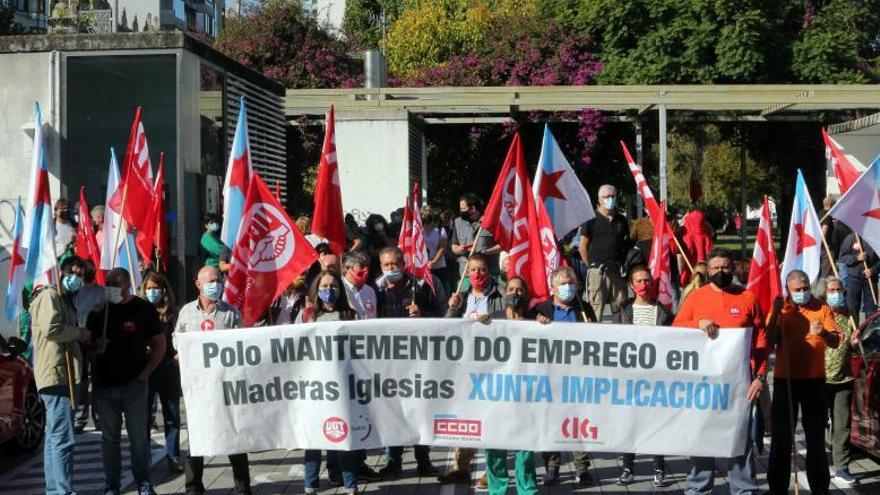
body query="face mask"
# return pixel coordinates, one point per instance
(393, 276)
(722, 280)
(379, 227)
(360, 276)
(514, 301)
(609, 203)
(565, 292)
(835, 299)
(327, 296)
(464, 215)
(72, 283)
(645, 291)
(113, 294)
(212, 290)
(213, 227)
(479, 280)
(801, 298)
(154, 295)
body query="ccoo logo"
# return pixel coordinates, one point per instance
(576, 428)
(335, 429)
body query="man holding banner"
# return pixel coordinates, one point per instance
(720, 304)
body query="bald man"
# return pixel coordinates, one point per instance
(208, 313)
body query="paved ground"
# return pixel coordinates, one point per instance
(280, 472)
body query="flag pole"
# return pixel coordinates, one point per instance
(682, 251)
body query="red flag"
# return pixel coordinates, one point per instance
(659, 260)
(512, 218)
(845, 171)
(278, 191)
(549, 248)
(147, 237)
(328, 221)
(137, 180)
(412, 240)
(86, 244)
(764, 280)
(696, 189)
(269, 255)
(651, 205)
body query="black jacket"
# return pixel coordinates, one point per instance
(625, 315)
(545, 309)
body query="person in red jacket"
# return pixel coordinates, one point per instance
(711, 308)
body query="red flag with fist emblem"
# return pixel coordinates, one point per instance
(269, 254)
(512, 218)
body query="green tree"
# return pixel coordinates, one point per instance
(840, 43)
(362, 23)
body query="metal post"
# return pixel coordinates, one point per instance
(662, 152)
(640, 207)
(743, 183)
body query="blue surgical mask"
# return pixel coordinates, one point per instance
(566, 292)
(609, 203)
(72, 283)
(835, 299)
(212, 290)
(327, 296)
(393, 275)
(213, 227)
(801, 298)
(154, 295)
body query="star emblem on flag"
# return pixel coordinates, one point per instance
(804, 240)
(549, 187)
(873, 213)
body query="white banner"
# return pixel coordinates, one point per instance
(515, 385)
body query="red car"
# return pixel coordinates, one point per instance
(22, 416)
(866, 390)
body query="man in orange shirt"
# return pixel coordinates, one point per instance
(801, 327)
(720, 304)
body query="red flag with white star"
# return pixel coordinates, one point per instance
(859, 208)
(764, 281)
(844, 170)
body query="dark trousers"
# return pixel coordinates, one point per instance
(394, 455)
(165, 384)
(581, 460)
(839, 401)
(84, 397)
(629, 461)
(241, 474)
(808, 398)
(858, 296)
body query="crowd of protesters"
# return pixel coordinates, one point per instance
(120, 339)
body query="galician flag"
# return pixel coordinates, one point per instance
(238, 175)
(114, 234)
(804, 248)
(567, 203)
(38, 237)
(859, 208)
(16, 267)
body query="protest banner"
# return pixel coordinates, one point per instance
(515, 385)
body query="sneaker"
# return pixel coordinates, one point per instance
(79, 428)
(844, 477)
(551, 476)
(626, 477)
(309, 490)
(426, 469)
(456, 476)
(366, 473)
(584, 478)
(390, 470)
(483, 483)
(660, 478)
(146, 488)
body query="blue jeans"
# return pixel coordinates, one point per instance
(59, 441)
(741, 474)
(112, 403)
(165, 382)
(347, 460)
(394, 455)
(859, 297)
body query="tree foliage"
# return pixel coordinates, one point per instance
(276, 38)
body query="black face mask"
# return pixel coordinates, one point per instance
(721, 279)
(514, 301)
(464, 215)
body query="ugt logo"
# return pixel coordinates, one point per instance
(335, 429)
(579, 428)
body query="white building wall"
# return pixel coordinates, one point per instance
(25, 78)
(373, 155)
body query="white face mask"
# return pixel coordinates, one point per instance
(113, 294)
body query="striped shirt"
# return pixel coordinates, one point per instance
(644, 314)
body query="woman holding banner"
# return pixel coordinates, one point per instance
(327, 302)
